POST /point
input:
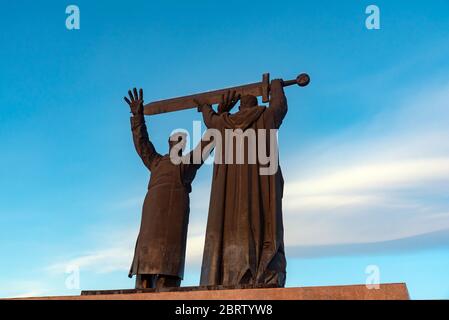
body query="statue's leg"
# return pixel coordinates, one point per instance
(273, 277)
(145, 281)
(164, 281)
(275, 273)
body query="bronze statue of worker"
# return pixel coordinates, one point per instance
(159, 256)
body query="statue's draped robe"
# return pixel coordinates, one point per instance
(161, 244)
(244, 237)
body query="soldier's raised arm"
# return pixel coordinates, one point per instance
(142, 143)
(278, 102)
(213, 119)
(210, 117)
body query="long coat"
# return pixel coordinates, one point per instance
(244, 237)
(161, 244)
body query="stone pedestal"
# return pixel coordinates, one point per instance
(352, 292)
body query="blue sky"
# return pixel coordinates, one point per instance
(364, 149)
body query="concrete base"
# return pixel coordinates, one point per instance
(354, 292)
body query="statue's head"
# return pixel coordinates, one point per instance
(248, 101)
(178, 140)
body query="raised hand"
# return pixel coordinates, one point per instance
(228, 102)
(135, 101)
(201, 104)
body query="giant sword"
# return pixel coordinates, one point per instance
(258, 89)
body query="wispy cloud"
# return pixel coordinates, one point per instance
(108, 259)
(399, 174)
(386, 180)
(23, 289)
(113, 253)
(399, 246)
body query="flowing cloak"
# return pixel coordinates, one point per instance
(161, 244)
(244, 237)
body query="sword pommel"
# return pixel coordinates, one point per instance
(302, 80)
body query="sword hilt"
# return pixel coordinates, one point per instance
(301, 80)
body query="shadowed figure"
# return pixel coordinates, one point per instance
(244, 237)
(159, 256)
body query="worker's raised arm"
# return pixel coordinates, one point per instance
(278, 102)
(210, 117)
(142, 143)
(196, 158)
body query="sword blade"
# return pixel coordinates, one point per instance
(210, 97)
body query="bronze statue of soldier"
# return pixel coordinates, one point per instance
(244, 242)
